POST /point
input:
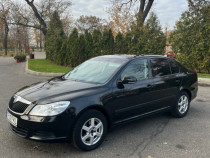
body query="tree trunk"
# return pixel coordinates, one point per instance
(19, 45)
(16, 42)
(37, 44)
(143, 11)
(40, 41)
(6, 31)
(37, 15)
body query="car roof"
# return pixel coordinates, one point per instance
(131, 57)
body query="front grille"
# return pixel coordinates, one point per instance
(18, 107)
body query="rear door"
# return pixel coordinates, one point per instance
(164, 86)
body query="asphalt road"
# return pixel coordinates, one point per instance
(160, 136)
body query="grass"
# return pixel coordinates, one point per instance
(203, 75)
(42, 65)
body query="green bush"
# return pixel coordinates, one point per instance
(21, 57)
(190, 40)
(54, 39)
(77, 47)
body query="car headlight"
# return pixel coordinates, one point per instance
(50, 109)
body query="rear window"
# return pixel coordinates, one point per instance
(160, 67)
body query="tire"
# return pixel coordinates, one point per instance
(92, 127)
(181, 106)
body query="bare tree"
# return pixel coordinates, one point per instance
(89, 23)
(4, 18)
(67, 24)
(38, 14)
(43, 25)
(143, 9)
(120, 17)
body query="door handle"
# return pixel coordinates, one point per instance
(149, 86)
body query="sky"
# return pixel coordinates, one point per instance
(168, 11)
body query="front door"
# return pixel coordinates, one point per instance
(133, 99)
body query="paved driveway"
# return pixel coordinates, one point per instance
(160, 136)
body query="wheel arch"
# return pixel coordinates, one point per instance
(98, 108)
(187, 91)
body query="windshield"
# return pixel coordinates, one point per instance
(96, 70)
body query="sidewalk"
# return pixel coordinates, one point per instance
(204, 81)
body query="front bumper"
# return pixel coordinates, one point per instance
(43, 128)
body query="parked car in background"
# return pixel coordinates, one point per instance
(170, 54)
(99, 94)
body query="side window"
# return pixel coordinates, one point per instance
(160, 67)
(174, 67)
(138, 69)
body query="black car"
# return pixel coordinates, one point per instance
(99, 94)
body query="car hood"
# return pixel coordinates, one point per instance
(55, 88)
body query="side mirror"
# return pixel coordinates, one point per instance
(129, 80)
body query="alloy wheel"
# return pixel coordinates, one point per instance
(183, 104)
(92, 131)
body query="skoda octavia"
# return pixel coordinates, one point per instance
(102, 92)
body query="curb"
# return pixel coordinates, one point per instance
(203, 84)
(35, 73)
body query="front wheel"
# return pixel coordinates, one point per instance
(181, 106)
(90, 130)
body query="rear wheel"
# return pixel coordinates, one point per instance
(90, 130)
(181, 106)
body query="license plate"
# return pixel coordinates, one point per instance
(12, 119)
